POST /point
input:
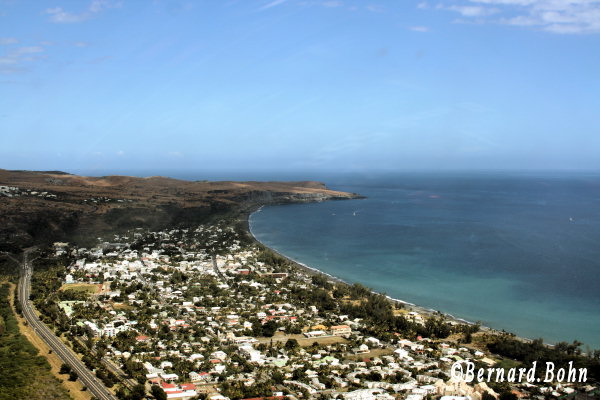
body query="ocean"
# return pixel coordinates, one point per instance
(519, 252)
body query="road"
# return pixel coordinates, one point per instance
(119, 373)
(59, 348)
(217, 270)
(112, 367)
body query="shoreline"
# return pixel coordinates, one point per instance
(429, 312)
(408, 305)
(485, 329)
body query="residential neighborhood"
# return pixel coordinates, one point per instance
(201, 313)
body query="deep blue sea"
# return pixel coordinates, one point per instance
(519, 252)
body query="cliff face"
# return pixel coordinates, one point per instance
(49, 206)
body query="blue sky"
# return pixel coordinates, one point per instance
(299, 84)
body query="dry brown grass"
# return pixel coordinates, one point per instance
(145, 188)
(74, 388)
(87, 207)
(302, 340)
(371, 354)
(122, 306)
(82, 287)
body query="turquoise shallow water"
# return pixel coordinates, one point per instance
(520, 253)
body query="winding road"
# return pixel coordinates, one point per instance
(66, 354)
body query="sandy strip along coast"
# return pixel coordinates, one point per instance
(407, 305)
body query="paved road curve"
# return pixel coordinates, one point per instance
(66, 354)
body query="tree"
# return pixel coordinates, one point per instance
(508, 396)
(269, 328)
(121, 393)
(278, 377)
(298, 374)
(64, 369)
(137, 393)
(291, 344)
(158, 393)
(468, 337)
(73, 376)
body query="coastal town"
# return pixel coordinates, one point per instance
(205, 313)
(300, 200)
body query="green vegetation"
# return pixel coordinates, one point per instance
(136, 393)
(25, 374)
(560, 354)
(46, 281)
(238, 390)
(507, 363)
(158, 393)
(358, 301)
(266, 330)
(9, 268)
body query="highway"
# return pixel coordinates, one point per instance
(85, 375)
(112, 367)
(118, 372)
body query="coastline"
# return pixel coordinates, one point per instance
(362, 250)
(408, 305)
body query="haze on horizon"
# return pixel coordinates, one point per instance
(344, 85)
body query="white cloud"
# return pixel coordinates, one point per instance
(59, 15)
(520, 20)
(332, 3)
(473, 11)
(99, 5)
(15, 60)
(557, 16)
(29, 50)
(272, 4)
(8, 40)
(375, 8)
(506, 2)
(100, 60)
(419, 28)
(19, 58)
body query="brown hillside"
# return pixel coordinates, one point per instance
(43, 206)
